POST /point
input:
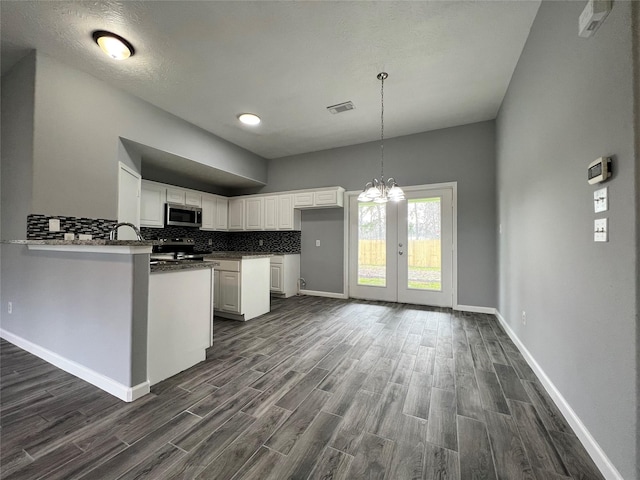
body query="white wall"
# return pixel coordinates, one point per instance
(570, 101)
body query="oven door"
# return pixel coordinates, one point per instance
(183, 215)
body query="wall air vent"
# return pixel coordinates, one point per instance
(341, 107)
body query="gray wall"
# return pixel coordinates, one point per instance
(322, 267)
(569, 102)
(465, 154)
(88, 308)
(17, 147)
(78, 122)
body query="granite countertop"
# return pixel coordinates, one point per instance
(179, 267)
(237, 255)
(96, 242)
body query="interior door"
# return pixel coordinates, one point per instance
(403, 251)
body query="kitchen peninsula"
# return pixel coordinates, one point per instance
(98, 297)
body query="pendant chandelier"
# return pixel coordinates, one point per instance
(381, 191)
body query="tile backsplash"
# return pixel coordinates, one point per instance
(38, 227)
(276, 242)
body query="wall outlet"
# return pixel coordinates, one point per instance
(524, 317)
(210, 241)
(54, 225)
(261, 242)
(10, 307)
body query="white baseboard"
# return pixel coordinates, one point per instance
(128, 394)
(474, 309)
(594, 450)
(316, 293)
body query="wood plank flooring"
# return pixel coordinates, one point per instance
(316, 389)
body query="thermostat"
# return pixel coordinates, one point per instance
(599, 170)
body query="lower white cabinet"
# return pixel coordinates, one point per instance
(179, 326)
(285, 272)
(241, 287)
(230, 292)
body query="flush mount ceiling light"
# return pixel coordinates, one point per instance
(381, 191)
(249, 118)
(113, 45)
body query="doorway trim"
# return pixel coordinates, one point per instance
(454, 253)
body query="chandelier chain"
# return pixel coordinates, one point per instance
(382, 129)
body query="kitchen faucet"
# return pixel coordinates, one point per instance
(112, 232)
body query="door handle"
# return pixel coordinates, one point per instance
(400, 252)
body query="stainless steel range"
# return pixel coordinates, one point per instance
(174, 251)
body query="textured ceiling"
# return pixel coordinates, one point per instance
(449, 62)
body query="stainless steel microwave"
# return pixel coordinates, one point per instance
(183, 215)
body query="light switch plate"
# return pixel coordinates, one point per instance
(317, 243)
(601, 200)
(600, 230)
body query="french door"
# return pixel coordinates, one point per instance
(403, 251)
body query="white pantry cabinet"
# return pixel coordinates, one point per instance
(285, 272)
(152, 200)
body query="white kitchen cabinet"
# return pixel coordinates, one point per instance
(179, 321)
(241, 287)
(152, 201)
(320, 198)
(209, 205)
(229, 292)
(193, 198)
(271, 212)
(284, 275)
(303, 200)
(288, 217)
(222, 213)
(214, 212)
(216, 289)
(176, 195)
(253, 213)
(236, 214)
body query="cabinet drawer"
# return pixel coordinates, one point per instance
(277, 259)
(227, 265)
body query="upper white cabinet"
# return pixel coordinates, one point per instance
(322, 198)
(288, 217)
(253, 207)
(236, 214)
(271, 216)
(176, 195)
(214, 212)
(222, 213)
(152, 200)
(209, 205)
(193, 198)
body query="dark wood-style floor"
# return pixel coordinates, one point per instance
(319, 389)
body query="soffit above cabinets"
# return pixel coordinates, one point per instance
(449, 62)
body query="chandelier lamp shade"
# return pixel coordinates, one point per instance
(381, 190)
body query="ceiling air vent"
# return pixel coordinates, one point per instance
(341, 107)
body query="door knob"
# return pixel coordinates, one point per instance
(399, 244)
(400, 252)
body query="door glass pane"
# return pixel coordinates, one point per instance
(425, 253)
(372, 244)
